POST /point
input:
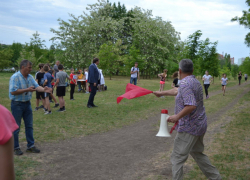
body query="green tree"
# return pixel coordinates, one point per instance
(244, 20)
(245, 66)
(30, 55)
(208, 58)
(110, 57)
(235, 70)
(5, 57)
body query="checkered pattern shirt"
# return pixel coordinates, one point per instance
(18, 81)
(190, 93)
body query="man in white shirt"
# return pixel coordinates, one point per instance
(134, 74)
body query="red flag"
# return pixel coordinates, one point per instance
(133, 91)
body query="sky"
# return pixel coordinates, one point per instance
(20, 19)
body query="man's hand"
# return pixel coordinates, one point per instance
(94, 84)
(157, 93)
(173, 119)
(31, 89)
(47, 89)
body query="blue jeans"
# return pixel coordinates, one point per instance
(133, 79)
(79, 83)
(23, 110)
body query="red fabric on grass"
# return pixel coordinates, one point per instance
(133, 91)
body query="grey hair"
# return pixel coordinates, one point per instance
(186, 66)
(25, 63)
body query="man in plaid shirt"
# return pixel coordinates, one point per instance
(21, 86)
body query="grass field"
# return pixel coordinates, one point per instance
(230, 150)
(78, 120)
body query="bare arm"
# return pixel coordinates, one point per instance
(173, 85)
(186, 111)
(132, 72)
(7, 161)
(171, 92)
(21, 91)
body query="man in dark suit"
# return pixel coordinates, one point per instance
(93, 80)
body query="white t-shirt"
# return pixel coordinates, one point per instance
(134, 75)
(207, 79)
(86, 75)
(224, 81)
(245, 75)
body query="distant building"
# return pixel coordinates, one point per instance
(232, 60)
(240, 61)
(220, 56)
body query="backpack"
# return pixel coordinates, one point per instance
(134, 69)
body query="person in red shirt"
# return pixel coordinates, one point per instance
(7, 127)
(73, 83)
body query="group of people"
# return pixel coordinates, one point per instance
(190, 116)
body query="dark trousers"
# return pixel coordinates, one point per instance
(92, 94)
(239, 80)
(72, 90)
(206, 86)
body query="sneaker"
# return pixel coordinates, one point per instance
(72, 99)
(44, 109)
(41, 106)
(207, 96)
(48, 112)
(56, 105)
(36, 109)
(60, 110)
(51, 101)
(18, 152)
(87, 92)
(33, 150)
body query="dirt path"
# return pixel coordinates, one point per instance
(123, 154)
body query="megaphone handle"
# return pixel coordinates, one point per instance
(173, 128)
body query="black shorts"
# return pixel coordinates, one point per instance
(245, 78)
(60, 90)
(46, 94)
(223, 85)
(39, 95)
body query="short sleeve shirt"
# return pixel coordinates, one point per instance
(48, 77)
(73, 78)
(18, 81)
(190, 93)
(224, 81)
(207, 79)
(239, 76)
(176, 82)
(134, 75)
(61, 75)
(39, 77)
(7, 125)
(86, 75)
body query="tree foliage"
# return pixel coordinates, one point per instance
(244, 20)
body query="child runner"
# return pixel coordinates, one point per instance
(47, 82)
(86, 77)
(73, 83)
(163, 79)
(224, 83)
(61, 86)
(206, 78)
(245, 77)
(176, 80)
(239, 76)
(53, 84)
(40, 81)
(7, 127)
